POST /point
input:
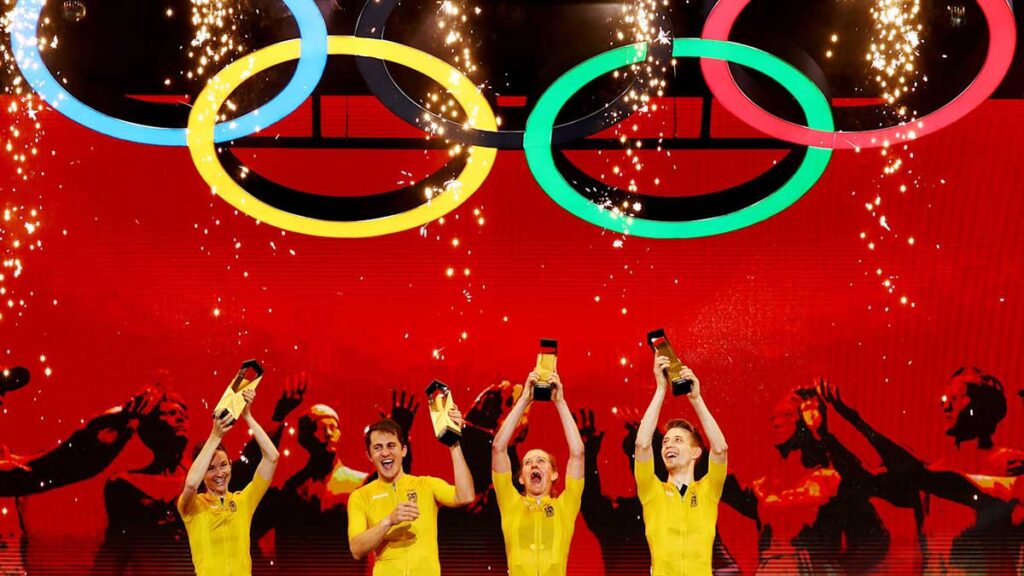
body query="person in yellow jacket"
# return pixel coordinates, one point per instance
(680, 515)
(537, 526)
(395, 516)
(218, 521)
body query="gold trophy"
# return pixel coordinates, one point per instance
(659, 343)
(439, 399)
(232, 402)
(547, 360)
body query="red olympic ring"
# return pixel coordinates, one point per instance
(1002, 41)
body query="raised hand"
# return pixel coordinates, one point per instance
(557, 392)
(291, 396)
(142, 404)
(248, 395)
(688, 374)
(403, 409)
(592, 437)
(531, 381)
(830, 394)
(456, 417)
(222, 424)
(661, 364)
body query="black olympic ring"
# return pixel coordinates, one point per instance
(340, 208)
(684, 208)
(371, 23)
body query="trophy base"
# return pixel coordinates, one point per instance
(450, 437)
(542, 393)
(682, 387)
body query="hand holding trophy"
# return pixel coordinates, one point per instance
(233, 402)
(444, 414)
(547, 364)
(681, 385)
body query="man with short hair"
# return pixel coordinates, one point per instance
(680, 515)
(395, 516)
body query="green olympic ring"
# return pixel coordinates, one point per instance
(537, 140)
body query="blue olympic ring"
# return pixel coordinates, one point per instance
(312, 60)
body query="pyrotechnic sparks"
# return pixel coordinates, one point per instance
(891, 54)
(217, 36)
(893, 51)
(22, 141)
(640, 23)
(454, 25)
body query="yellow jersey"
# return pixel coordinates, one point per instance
(409, 548)
(538, 531)
(680, 527)
(218, 529)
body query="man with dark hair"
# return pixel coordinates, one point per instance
(308, 512)
(680, 514)
(395, 516)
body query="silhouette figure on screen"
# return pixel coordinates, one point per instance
(618, 523)
(81, 456)
(308, 513)
(788, 504)
(963, 501)
(144, 532)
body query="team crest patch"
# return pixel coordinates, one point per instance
(549, 511)
(411, 496)
(232, 506)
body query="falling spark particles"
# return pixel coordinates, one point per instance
(639, 23)
(896, 37)
(217, 36)
(454, 25)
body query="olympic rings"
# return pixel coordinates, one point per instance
(1002, 40)
(201, 138)
(371, 23)
(537, 142)
(403, 209)
(312, 60)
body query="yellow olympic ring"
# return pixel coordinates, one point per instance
(203, 117)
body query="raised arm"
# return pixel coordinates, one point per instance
(243, 469)
(82, 455)
(464, 492)
(269, 453)
(716, 440)
(903, 467)
(202, 462)
(500, 462)
(574, 468)
(649, 423)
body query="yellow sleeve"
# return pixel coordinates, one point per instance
(504, 490)
(647, 484)
(716, 478)
(572, 496)
(254, 492)
(444, 493)
(356, 514)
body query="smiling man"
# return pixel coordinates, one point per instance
(680, 514)
(538, 528)
(395, 516)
